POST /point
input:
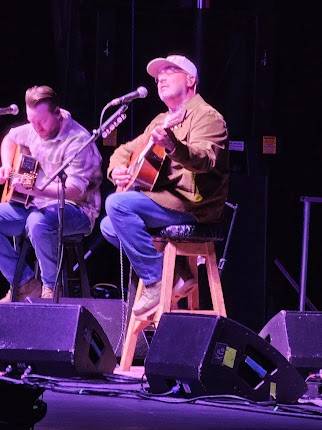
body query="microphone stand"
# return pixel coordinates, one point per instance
(107, 127)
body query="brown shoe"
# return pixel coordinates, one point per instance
(149, 300)
(31, 288)
(47, 293)
(6, 298)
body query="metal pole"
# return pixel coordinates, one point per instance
(203, 4)
(305, 251)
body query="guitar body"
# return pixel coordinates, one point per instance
(147, 160)
(23, 164)
(145, 169)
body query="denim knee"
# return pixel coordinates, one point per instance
(36, 227)
(106, 227)
(114, 203)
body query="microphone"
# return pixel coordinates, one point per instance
(9, 110)
(140, 93)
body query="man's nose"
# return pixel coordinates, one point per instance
(162, 78)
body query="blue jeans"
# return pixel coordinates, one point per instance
(41, 226)
(129, 216)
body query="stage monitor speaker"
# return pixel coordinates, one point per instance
(298, 336)
(204, 354)
(53, 339)
(110, 313)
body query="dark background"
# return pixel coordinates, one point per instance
(260, 64)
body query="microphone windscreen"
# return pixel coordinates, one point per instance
(143, 92)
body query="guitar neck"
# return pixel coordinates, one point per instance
(145, 151)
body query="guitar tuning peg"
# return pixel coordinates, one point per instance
(105, 133)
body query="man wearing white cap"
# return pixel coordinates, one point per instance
(192, 184)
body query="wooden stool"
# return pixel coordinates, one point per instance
(191, 241)
(70, 243)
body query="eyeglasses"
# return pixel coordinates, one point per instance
(169, 71)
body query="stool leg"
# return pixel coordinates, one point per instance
(193, 298)
(169, 260)
(18, 271)
(134, 328)
(65, 292)
(214, 281)
(79, 250)
(137, 324)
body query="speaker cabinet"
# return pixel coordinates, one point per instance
(298, 336)
(205, 354)
(53, 339)
(112, 314)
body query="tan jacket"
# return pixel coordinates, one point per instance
(194, 177)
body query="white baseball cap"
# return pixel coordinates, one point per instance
(155, 66)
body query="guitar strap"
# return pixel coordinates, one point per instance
(170, 135)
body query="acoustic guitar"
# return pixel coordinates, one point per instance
(145, 163)
(24, 170)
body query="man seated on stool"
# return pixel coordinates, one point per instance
(50, 137)
(192, 184)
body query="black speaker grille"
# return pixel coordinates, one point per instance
(53, 339)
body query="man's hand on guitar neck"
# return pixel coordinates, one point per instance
(4, 174)
(162, 137)
(121, 176)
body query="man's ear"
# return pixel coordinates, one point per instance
(191, 81)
